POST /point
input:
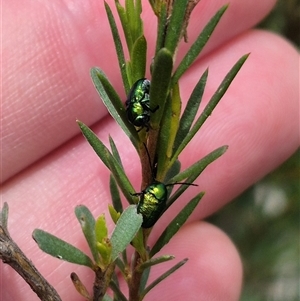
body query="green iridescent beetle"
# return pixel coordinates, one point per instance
(153, 200)
(138, 104)
(152, 203)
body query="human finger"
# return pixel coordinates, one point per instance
(46, 82)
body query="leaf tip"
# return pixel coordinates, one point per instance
(80, 123)
(225, 6)
(4, 215)
(225, 148)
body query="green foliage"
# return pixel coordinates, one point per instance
(161, 75)
(109, 160)
(60, 249)
(105, 249)
(126, 228)
(103, 243)
(162, 277)
(113, 103)
(190, 110)
(161, 142)
(119, 48)
(210, 106)
(87, 223)
(114, 191)
(198, 45)
(174, 29)
(176, 224)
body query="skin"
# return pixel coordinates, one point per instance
(48, 168)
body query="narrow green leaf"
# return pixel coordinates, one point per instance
(120, 264)
(162, 277)
(113, 213)
(175, 118)
(115, 278)
(124, 258)
(133, 13)
(139, 245)
(106, 90)
(115, 195)
(172, 172)
(159, 90)
(104, 249)
(175, 26)
(4, 216)
(133, 30)
(124, 21)
(100, 149)
(137, 21)
(112, 164)
(198, 45)
(121, 179)
(119, 295)
(153, 261)
(101, 231)
(87, 223)
(191, 110)
(113, 104)
(163, 141)
(115, 151)
(126, 228)
(128, 69)
(192, 173)
(175, 224)
(211, 105)
(119, 47)
(60, 249)
(167, 134)
(161, 32)
(196, 168)
(139, 59)
(144, 279)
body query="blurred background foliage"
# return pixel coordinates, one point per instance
(263, 222)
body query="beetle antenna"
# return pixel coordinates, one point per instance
(190, 184)
(148, 155)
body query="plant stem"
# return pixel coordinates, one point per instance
(135, 281)
(102, 280)
(11, 254)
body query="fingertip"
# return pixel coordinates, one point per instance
(213, 271)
